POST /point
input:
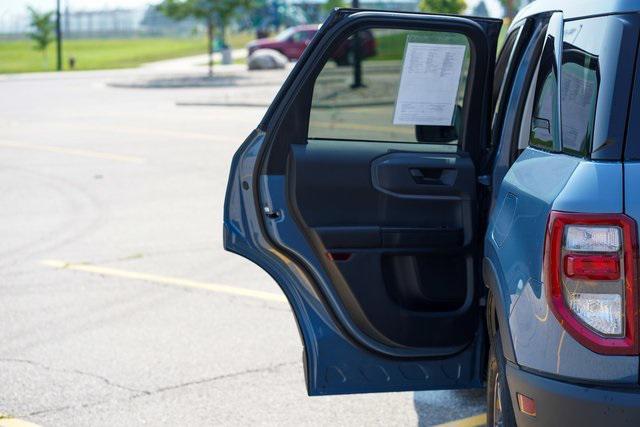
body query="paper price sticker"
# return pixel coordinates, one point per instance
(429, 84)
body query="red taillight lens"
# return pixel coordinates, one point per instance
(590, 277)
(592, 267)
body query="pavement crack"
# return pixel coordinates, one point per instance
(77, 372)
(271, 368)
(140, 393)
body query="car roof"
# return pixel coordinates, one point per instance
(578, 9)
(306, 27)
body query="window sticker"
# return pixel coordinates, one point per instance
(429, 84)
(579, 93)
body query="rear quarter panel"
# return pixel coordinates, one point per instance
(536, 184)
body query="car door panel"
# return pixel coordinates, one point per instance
(367, 244)
(333, 362)
(415, 248)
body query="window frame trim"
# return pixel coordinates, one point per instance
(551, 51)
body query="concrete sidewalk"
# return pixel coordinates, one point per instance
(194, 63)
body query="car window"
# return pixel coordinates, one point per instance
(580, 84)
(371, 109)
(543, 119)
(544, 126)
(586, 70)
(285, 35)
(525, 126)
(578, 102)
(299, 36)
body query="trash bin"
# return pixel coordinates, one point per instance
(227, 57)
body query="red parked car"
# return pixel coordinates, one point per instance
(292, 42)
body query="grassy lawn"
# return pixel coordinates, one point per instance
(390, 44)
(92, 54)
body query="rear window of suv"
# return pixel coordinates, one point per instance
(580, 84)
(591, 69)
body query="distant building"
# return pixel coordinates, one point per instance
(119, 22)
(155, 22)
(101, 23)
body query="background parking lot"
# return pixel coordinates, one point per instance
(119, 305)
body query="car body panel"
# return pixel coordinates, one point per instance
(536, 184)
(292, 46)
(562, 403)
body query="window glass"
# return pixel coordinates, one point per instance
(302, 36)
(579, 92)
(543, 118)
(285, 35)
(580, 85)
(544, 132)
(403, 77)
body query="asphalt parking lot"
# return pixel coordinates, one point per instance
(118, 304)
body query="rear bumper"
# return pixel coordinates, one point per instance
(559, 403)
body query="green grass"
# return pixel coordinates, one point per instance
(93, 54)
(390, 46)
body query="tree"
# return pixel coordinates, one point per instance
(42, 33)
(510, 8)
(212, 12)
(329, 5)
(443, 6)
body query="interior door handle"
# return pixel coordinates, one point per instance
(427, 176)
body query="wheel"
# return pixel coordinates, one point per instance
(499, 407)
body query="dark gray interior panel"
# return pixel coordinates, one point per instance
(398, 220)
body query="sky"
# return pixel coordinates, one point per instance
(13, 7)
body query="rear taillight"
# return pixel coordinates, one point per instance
(590, 276)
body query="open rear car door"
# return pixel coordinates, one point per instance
(358, 193)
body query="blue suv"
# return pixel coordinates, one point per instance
(441, 216)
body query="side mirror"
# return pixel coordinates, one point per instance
(440, 134)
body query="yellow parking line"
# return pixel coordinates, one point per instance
(8, 421)
(139, 130)
(475, 421)
(72, 151)
(166, 280)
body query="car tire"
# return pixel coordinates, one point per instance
(499, 407)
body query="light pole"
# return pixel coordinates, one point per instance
(357, 57)
(58, 37)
